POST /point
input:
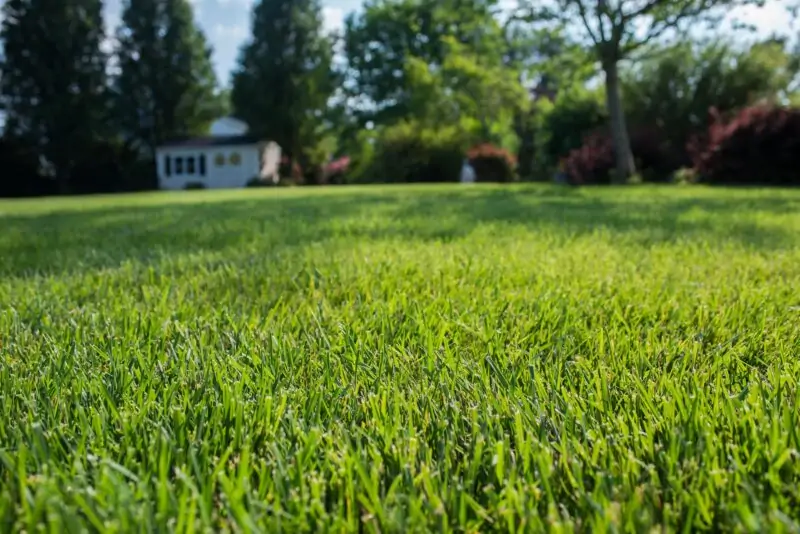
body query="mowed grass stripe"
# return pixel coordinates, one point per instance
(402, 360)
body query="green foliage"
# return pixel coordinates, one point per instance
(22, 174)
(166, 86)
(283, 80)
(106, 167)
(416, 359)
(549, 61)
(561, 125)
(685, 176)
(413, 152)
(381, 41)
(53, 83)
(675, 91)
(361, 150)
(475, 92)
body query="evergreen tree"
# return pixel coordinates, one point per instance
(166, 86)
(54, 78)
(284, 79)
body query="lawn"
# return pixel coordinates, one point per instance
(401, 359)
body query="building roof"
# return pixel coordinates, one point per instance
(212, 140)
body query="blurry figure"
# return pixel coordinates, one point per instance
(561, 174)
(467, 173)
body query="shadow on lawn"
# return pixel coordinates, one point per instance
(643, 219)
(71, 241)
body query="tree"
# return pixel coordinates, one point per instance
(54, 83)
(548, 61)
(616, 29)
(379, 41)
(473, 90)
(166, 86)
(284, 80)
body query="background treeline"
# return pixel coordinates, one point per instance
(587, 92)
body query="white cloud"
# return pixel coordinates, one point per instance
(333, 19)
(196, 8)
(231, 31)
(771, 17)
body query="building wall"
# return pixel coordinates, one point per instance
(226, 175)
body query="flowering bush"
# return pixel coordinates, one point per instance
(492, 163)
(334, 172)
(594, 163)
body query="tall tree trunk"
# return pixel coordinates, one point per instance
(619, 131)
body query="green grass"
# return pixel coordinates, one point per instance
(401, 359)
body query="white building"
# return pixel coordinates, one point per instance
(228, 158)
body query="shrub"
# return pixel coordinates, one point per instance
(296, 175)
(676, 87)
(758, 146)
(492, 163)
(594, 162)
(191, 186)
(335, 171)
(409, 152)
(112, 166)
(314, 175)
(258, 181)
(562, 124)
(684, 176)
(21, 176)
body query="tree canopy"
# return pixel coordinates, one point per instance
(166, 86)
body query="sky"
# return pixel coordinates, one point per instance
(226, 23)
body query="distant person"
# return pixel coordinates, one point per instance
(561, 173)
(467, 173)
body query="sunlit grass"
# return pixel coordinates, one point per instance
(401, 359)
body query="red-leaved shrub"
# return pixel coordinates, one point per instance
(296, 174)
(758, 146)
(492, 163)
(594, 162)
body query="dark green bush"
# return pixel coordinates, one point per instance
(20, 175)
(407, 153)
(194, 186)
(257, 181)
(295, 176)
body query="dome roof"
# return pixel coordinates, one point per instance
(226, 126)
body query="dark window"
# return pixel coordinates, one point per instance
(190, 165)
(167, 165)
(178, 165)
(202, 164)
